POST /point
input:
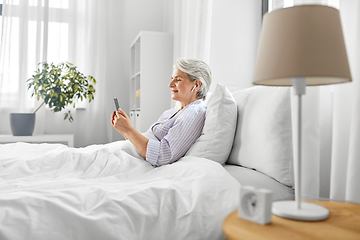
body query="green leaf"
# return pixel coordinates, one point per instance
(60, 84)
(46, 100)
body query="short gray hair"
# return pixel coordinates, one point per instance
(196, 69)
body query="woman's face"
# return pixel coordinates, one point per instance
(181, 87)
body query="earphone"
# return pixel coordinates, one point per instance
(193, 88)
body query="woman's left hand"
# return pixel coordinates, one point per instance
(121, 122)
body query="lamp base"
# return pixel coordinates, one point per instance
(307, 212)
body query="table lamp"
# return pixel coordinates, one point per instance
(299, 46)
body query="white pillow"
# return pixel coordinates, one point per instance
(218, 133)
(263, 138)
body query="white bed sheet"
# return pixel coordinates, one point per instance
(250, 177)
(50, 191)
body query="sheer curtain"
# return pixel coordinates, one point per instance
(331, 120)
(192, 29)
(345, 177)
(20, 21)
(78, 31)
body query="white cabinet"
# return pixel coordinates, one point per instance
(137, 120)
(151, 70)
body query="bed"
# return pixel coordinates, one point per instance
(51, 191)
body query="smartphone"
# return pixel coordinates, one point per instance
(116, 104)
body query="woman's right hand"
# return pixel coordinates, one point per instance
(121, 122)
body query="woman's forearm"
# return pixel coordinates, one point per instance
(139, 141)
(121, 122)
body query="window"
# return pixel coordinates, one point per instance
(39, 31)
(275, 4)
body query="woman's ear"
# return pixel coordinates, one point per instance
(197, 83)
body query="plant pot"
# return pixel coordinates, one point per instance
(22, 124)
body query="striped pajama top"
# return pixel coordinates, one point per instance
(175, 135)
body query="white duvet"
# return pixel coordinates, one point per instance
(50, 191)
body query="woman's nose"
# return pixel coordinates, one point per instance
(171, 83)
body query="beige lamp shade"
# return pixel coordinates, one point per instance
(302, 41)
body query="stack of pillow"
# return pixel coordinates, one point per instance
(249, 128)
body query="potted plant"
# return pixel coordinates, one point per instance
(59, 86)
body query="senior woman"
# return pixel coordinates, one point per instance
(178, 128)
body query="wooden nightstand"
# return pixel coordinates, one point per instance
(343, 223)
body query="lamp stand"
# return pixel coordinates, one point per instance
(299, 210)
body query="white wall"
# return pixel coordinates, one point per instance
(236, 26)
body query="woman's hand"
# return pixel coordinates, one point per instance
(121, 122)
